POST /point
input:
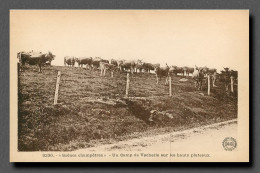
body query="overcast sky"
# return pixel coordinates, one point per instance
(184, 38)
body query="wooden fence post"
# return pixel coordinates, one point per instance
(170, 86)
(127, 84)
(57, 88)
(208, 84)
(232, 84)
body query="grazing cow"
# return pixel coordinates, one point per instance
(162, 72)
(69, 60)
(34, 58)
(97, 60)
(198, 76)
(177, 70)
(127, 65)
(84, 60)
(106, 66)
(187, 70)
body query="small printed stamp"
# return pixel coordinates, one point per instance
(229, 143)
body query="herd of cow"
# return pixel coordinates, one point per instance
(199, 74)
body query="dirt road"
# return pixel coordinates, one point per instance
(206, 138)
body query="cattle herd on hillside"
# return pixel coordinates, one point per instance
(199, 74)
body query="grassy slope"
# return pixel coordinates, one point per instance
(78, 121)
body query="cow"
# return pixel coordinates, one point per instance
(139, 65)
(156, 65)
(47, 63)
(226, 77)
(198, 76)
(97, 60)
(127, 65)
(148, 67)
(162, 72)
(69, 60)
(214, 78)
(177, 70)
(234, 74)
(187, 70)
(84, 61)
(106, 66)
(209, 71)
(114, 62)
(34, 58)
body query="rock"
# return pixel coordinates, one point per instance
(27, 103)
(183, 80)
(153, 111)
(169, 115)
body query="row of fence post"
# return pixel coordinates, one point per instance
(128, 83)
(231, 84)
(170, 84)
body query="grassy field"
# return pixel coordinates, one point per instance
(92, 110)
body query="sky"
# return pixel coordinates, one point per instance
(212, 38)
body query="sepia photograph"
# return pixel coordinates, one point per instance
(129, 85)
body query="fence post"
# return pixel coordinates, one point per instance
(232, 84)
(57, 88)
(170, 86)
(127, 84)
(208, 84)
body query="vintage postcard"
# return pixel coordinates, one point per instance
(129, 85)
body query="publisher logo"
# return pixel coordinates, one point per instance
(229, 143)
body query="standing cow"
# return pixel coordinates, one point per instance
(34, 58)
(226, 76)
(139, 66)
(162, 72)
(106, 66)
(187, 70)
(234, 73)
(84, 61)
(210, 71)
(214, 78)
(96, 62)
(198, 76)
(114, 62)
(127, 65)
(207, 70)
(69, 60)
(177, 70)
(148, 67)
